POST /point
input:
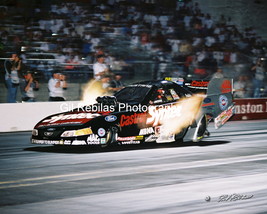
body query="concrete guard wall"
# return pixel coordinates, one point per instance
(23, 116)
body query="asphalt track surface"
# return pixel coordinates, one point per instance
(226, 173)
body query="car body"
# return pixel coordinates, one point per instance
(127, 118)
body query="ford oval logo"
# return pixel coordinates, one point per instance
(207, 100)
(110, 118)
(48, 134)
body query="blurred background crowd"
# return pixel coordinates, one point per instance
(140, 39)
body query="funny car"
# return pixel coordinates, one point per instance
(141, 113)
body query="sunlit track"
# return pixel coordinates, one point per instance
(138, 179)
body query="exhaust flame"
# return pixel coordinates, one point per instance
(91, 91)
(190, 109)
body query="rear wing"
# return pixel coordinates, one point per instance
(218, 102)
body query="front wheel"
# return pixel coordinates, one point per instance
(111, 136)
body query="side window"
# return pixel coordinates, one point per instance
(175, 96)
(161, 96)
(182, 92)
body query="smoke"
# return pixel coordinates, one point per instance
(91, 91)
(172, 118)
(182, 114)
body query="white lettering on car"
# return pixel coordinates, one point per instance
(161, 113)
(71, 117)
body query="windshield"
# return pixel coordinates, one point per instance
(133, 94)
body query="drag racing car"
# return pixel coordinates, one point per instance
(148, 111)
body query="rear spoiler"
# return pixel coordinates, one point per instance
(218, 102)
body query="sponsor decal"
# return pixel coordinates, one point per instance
(126, 138)
(46, 141)
(146, 131)
(110, 118)
(132, 138)
(165, 138)
(208, 104)
(78, 142)
(93, 139)
(139, 137)
(71, 117)
(202, 84)
(174, 94)
(223, 102)
(169, 97)
(157, 130)
(140, 85)
(160, 113)
(67, 142)
(130, 142)
(151, 138)
(224, 117)
(179, 81)
(101, 132)
(226, 86)
(103, 141)
(162, 136)
(248, 107)
(127, 120)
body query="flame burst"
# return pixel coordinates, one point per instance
(91, 91)
(189, 109)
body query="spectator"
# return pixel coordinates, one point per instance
(208, 22)
(56, 86)
(100, 68)
(218, 74)
(14, 77)
(17, 66)
(12, 82)
(116, 84)
(259, 77)
(240, 87)
(161, 63)
(71, 62)
(249, 87)
(30, 86)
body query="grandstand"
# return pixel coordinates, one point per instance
(142, 39)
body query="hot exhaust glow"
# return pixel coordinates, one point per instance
(175, 118)
(91, 91)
